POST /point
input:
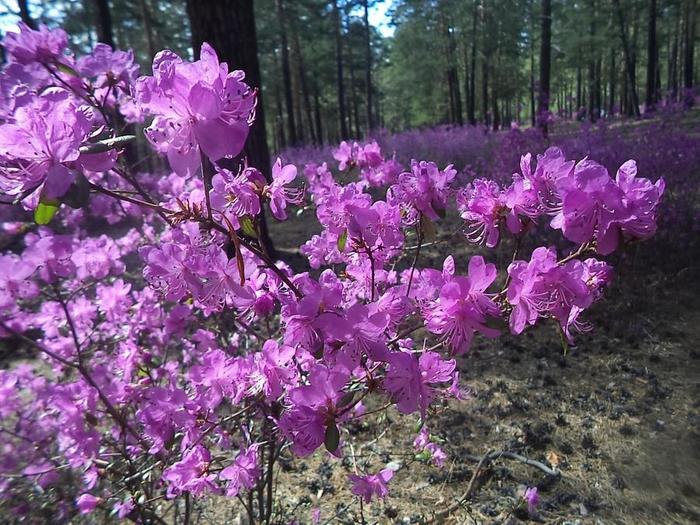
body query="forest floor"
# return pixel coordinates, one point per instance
(618, 415)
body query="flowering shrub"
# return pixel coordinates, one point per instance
(177, 358)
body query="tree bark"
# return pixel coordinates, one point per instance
(303, 80)
(629, 60)
(485, 91)
(689, 51)
(353, 94)
(451, 73)
(24, 14)
(672, 84)
(148, 27)
(286, 73)
(579, 89)
(471, 104)
(339, 71)
(368, 68)
(652, 61)
(496, 116)
(103, 21)
(229, 26)
(533, 110)
(317, 113)
(545, 59)
(611, 88)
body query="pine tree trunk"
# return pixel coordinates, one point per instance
(611, 88)
(368, 68)
(303, 81)
(485, 91)
(286, 72)
(279, 121)
(339, 72)
(471, 106)
(317, 113)
(672, 87)
(452, 75)
(148, 27)
(545, 59)
(689, 51)
(533, 110)
(591, 63)
(24, 14)
(629, 60)
(353, 94)
(104, 22)
(652, 53)
(579, 89)
(496, 112)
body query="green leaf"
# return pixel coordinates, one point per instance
(65, 68)
(342, 241)
(106, 145)
(45, 211)
(346, 399)
(424, 456)
(332, 438)
(419, 425)
(248, 226)
(564, 342)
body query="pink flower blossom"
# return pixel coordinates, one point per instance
(196, 105)
(463, 307)
(410, 379)
(368, 486)
(243, 473)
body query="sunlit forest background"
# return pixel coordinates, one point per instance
(340, 69)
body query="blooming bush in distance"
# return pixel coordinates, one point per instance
(176, 358)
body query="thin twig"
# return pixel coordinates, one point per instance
(518, 457)
(483, 463)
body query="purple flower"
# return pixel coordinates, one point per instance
(361, 330)
(425, 447)
(480, 206)
(313, 408)
(223, 284)
(110, 66)
(87, 503)
(196, 105)
(552, 168)
(123, 508)
(191, 474)
(344, 155)
(425, 187)
(532, 498)
(409, 379)
(279, 193)
(591, 204)
(367, 486)
(543, 287)
(40, 148)
(641, 200)
(463, 307)
(244, 472)
(377, 227)
(236, 195)
(43, 45)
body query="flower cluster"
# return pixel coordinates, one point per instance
(179, 357)
(585, 203)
